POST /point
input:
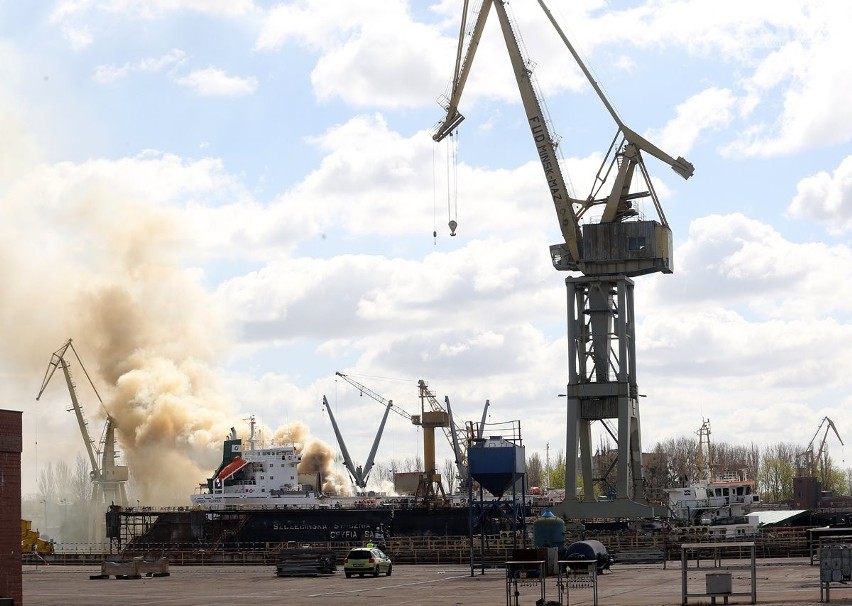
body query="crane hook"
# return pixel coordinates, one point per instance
(453, 226)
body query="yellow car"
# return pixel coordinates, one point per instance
(366, 560)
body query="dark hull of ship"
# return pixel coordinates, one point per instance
(195, 526)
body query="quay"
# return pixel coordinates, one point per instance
(780, 581)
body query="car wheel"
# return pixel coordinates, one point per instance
(390, 568)
(348, 575)
(376, 571)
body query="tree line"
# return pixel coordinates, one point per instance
(671, 462)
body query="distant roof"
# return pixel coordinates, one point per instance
(775, 516)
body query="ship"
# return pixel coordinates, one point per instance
(724, 500)
(254, 497)
(720, 503)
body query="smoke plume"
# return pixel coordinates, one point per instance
(103, 252)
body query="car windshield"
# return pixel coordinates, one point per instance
(360, 554)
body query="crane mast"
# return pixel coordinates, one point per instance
(812, 461)
(109, 479)
(57, 361)
(608, 253)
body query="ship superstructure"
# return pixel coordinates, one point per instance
(724, 500)
(256, 476)
(721, 500)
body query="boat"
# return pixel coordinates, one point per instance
(727, 499)
(718, 503)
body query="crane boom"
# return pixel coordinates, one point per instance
(612, 246)
(57, 360)
(359, 474)
(680, 165)
(545, 143)
(389, 403)
(812, 457)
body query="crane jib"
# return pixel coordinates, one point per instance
(540, 137)
(550, 165)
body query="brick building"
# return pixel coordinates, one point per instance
(11, 441)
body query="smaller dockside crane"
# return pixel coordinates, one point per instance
(429, 489)
(814, 462)
(360, 473)
(108, 479)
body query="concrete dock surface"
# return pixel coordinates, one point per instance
(781, 582)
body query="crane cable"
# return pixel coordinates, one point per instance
(434, 198)
(452, 176)
(452, 187)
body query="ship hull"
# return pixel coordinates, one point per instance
(264, 526)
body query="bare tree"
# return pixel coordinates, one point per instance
(64, 479)
(81, 481)
(449, 474)
(535, 470)
(47, 484)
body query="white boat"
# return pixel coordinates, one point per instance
(727, 499)
(721, 503)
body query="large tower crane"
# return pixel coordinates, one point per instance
(108, 479)
(601, 334)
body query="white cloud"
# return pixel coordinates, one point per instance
(745, 264)
(109, 73)
(216, 82)
(78, 37)
(826, 198)
(708, 110)
(152, 8)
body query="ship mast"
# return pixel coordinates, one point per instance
(704, 462)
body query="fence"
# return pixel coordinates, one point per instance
(770, 543)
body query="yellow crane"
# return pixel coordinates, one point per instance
(429, 487)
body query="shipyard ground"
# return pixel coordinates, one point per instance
(782, 582)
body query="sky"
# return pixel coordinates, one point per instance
(224, 203)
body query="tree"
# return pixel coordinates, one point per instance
(681, 456)
(64, 477)
(535, 470)
(836, 482)
(449, 474)
(81, 481)
(777, 469)
(557, 471)
(47, 484)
